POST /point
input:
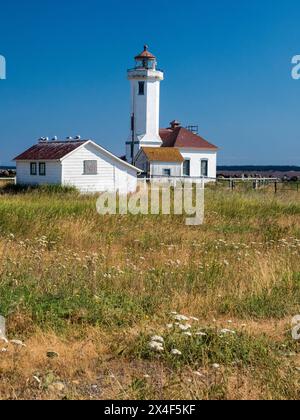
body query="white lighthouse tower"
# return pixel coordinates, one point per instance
(145, 95)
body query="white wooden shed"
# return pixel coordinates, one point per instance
(79, 163)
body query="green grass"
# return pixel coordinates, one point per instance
(66, 271)
(215, 348)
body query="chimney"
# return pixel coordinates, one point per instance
(175, 124)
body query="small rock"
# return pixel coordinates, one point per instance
(18, 343)
(57, 386)
(52, 354)
(199, 374)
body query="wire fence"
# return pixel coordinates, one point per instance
(275, 184)
(272, 184)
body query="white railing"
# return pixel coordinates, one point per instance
(174, 180)
(14, 179)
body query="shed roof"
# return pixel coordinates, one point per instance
(51, 150)
(163, 154)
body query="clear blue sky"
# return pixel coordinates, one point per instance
(227, 65)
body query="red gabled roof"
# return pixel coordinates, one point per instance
(52, 150)
(182, 138)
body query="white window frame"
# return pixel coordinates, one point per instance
(207, 167)
(45, 169)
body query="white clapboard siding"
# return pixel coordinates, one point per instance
(53, 173)
(195, 157)
(112, 174)
(157, 168)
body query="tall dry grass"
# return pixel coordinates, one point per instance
(94, 289)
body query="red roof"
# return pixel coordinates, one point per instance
(182, 138)
(52, 150)
(145, 54)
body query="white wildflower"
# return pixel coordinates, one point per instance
(176, 352)
(226, 331)
(193, 318)
(216, 366)
(189, 334)
(181, 318)
(169, 326)
(201, 334)
(158, 339)
(184, 327)
(154, 345)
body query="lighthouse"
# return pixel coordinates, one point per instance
(145, 81)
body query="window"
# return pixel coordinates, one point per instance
(141, 88)
(42, 169)
(187, 168)
(90, 167)
(33, 168)
(204, 167)
(167, 172)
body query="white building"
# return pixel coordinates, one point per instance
(161, 162)
(79, 163)
(199, 156)
(145, 92)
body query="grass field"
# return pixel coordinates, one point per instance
(86, 294)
